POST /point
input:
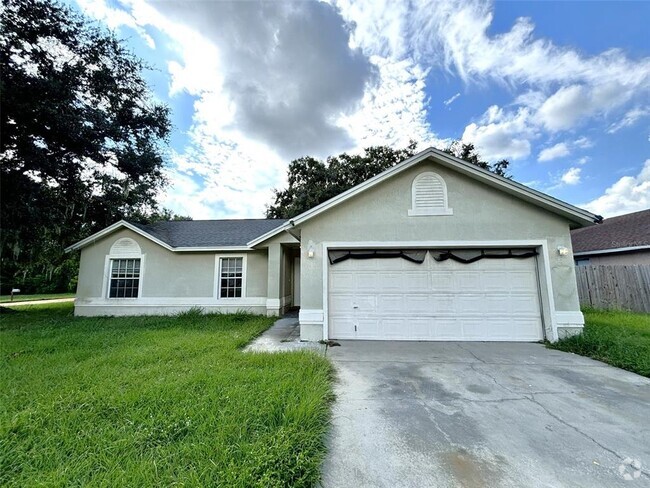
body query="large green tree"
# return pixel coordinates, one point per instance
(312, 181)
(82, 139)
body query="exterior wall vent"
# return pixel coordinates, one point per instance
(429, 195)
(125, 247)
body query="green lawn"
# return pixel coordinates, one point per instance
(155, 401)
(22, 298)
(621, 339)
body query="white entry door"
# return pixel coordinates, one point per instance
(395, 299)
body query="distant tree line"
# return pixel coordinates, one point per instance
(82, 141)
(312, 181)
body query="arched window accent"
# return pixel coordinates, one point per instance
(125, 247)
(429, 195)
(124, 270)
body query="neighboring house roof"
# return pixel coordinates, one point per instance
(574, 214)
(628, 232)
(193, 235)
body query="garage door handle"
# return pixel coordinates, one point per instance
(355, 306)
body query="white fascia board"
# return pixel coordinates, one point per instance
(513, 187)
(210, 249)
(112, 228)
(611, 251)
(528, 194)
(124, 224)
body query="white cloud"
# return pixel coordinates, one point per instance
(114, 18)
(452, 99)
(629, 119)
(272, 81)
(557, 151)
(501, 134)
(560, 86)
(564, 108)
(394, 110)
(571, 176)
(628, 194)
(583, 142)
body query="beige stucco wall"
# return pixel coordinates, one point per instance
(628, 258)
(166, 275)
(480, 213)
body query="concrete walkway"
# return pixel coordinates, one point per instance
(36, 302)
(284, 336)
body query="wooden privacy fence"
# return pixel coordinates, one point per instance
(615, 287)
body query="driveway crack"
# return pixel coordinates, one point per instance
(485, 373)
(584, 434)
(470, 352)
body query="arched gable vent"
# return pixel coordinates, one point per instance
(429, 195)
(125, 247)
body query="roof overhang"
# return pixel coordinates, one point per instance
(123, 224)
(611, 251)
(581, 217)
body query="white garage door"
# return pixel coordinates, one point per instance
(395, 299)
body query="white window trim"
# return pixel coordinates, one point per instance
(107, 275)
(217, 276)
(415, 212)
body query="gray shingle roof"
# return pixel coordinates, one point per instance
(209, 233)
(630, 230)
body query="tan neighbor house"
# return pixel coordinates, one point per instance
(434, 248)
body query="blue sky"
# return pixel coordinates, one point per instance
(560, 89)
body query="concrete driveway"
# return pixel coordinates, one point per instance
(484, 415)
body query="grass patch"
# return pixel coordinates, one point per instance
(24, 298)
(619, 338)
(155, 401)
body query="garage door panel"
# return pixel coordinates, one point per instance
(439, 281)
(390, 304)
(418, 304)
(524, 304)
(341, 303)
(343, 326)
(394, 299)
(343, 281)
(466, 280)
(392, 327)
(366, 280)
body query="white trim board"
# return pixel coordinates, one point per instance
(126, 225)
(547, 302)
(611, 251)
(171, 301)
(535, 197)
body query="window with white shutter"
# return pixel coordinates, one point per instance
(429, 195)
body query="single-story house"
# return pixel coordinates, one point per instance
(434, 248)
(619, 240)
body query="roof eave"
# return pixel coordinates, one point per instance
(112, 228)
(611, 251)
(124, 224)
(571, 212)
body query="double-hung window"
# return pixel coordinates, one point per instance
(125, 278)
(231, 277)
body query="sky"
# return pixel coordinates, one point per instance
(560, 89)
